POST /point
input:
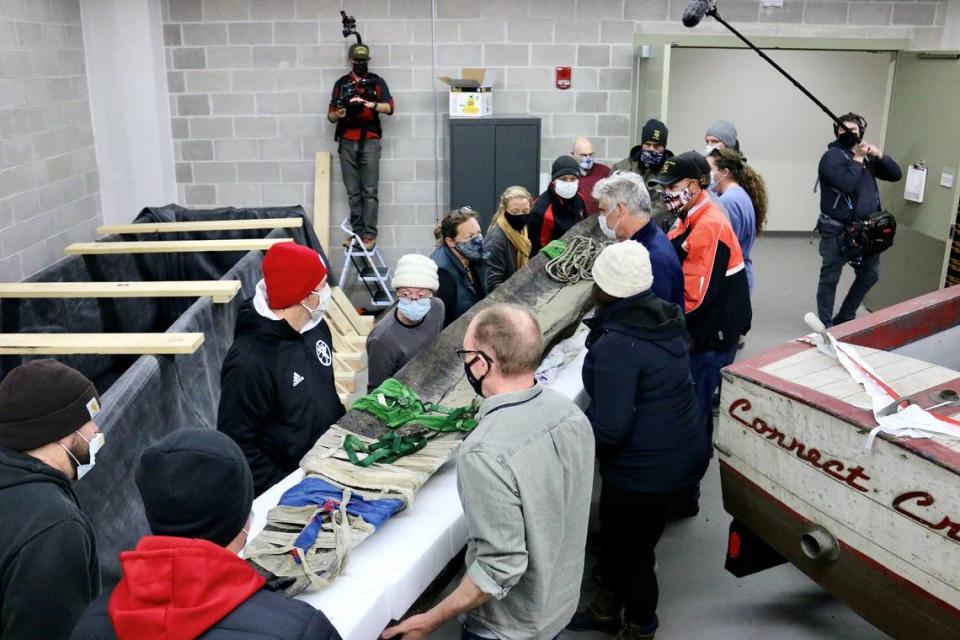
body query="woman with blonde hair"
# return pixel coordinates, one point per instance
(507, 242)
(743, 195)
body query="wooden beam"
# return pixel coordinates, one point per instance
(202, 225)
(220, 290)
(321, 198)
(99, 343)
(363, 325)
(346, 380)
(170, 246)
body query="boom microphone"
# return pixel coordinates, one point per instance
(695, 11)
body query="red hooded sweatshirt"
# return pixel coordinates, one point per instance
(177, 588)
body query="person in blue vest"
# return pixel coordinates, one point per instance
(559, 207)
(461, 263)
(625, 213)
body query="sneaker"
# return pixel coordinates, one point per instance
(631, 631)
(369, 242)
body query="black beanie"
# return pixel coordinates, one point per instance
(42, 401)
(654, 131)
(565, 166)
(195, 483)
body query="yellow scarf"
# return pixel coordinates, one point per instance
(520, 241)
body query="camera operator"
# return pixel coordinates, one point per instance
(358, 100)
(848, 174)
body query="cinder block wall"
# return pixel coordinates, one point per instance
(250, 82)
(49, 188)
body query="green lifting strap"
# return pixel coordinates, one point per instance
(396, 405)
(554, 248)
(388, 448)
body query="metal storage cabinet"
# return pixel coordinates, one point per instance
(487, 155)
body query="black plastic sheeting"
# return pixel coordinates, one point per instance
(145, 398)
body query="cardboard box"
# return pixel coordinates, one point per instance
(469, 97)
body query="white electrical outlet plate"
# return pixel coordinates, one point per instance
(946, 179)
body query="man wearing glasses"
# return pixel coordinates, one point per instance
(414, 324)
(277, 387)
(524, 477)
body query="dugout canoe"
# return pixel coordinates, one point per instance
(878, 528)
(437, 375)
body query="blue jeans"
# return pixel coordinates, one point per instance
(705, 369)
(868, 273)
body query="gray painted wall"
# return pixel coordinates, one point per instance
(49, 189)
(250, 83)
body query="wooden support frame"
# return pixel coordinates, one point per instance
(202, 225)
(321, 198)
(99, 343)
(171, 246)
(363, 325)
(221, 291)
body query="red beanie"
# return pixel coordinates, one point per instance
(291, 272)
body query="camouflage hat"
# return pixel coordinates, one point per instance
(359, 52)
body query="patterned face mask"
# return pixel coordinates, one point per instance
(676, 201)
(472, 249)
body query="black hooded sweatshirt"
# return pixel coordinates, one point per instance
(49, 570)
(277, 393)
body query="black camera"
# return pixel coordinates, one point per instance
(349, 25)
(352, 89)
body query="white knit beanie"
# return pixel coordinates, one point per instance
(623, 269)
(415, 270)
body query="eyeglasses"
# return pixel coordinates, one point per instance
(465, 210)
(463, 353)
(414, 295)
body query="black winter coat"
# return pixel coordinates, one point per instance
(263, 616)
(649, 433)
(49, 570)
(551, 217)
(848, 189)
(458, 291)
(277, 393)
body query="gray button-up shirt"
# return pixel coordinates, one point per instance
(524, 476)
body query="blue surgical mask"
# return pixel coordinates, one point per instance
(414, 310)
(472, 249)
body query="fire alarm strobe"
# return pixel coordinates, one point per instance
(564, 77)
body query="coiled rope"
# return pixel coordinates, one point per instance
(576, 261)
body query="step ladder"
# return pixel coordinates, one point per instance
(368, 268)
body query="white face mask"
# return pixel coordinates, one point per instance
(606, 229)
(709, 148)
(325, 295)
(94, 446)
(566, 190)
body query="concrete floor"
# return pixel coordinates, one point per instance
(698, 598)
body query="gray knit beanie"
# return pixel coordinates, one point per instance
(724, 131)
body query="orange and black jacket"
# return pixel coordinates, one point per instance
(715, 288)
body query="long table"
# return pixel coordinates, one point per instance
(385, 574)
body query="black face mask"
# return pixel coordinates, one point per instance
(848, 140)
(475, 382)
(518, 222)
(360, 68)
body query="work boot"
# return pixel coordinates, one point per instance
(348, 241)
(369, 242)
(603, 614)
(631, 631)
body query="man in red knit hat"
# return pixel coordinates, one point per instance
(277, 387)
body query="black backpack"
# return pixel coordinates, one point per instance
(864, 238)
